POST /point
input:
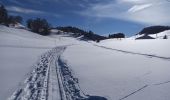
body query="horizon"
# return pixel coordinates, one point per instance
(101, 17)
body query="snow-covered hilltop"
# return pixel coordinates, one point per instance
(63, 67)
(153, 32)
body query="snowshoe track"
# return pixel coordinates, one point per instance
(51, 79)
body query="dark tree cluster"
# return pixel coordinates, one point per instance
(71, 29)
(165, 37)
(8, 19)
(14, 19)
(38, 25)
(42, 27)
(117, 35)
(95, 37)
(154, 29)
(88, 35)
(3, 15)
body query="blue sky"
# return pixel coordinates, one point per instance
(101, 16)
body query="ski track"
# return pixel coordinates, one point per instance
(51, 79)
(135, 53)
(42, 83)
(142, 88)
(134, 92)
(36, 85)
(162, 83)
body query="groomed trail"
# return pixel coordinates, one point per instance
(51, 79)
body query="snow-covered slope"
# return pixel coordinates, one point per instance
(124, 69)
(156, 36)
(17, 25)
(119, 75)
(19, 51)
(162, 34)
(157, 47)
(22, 37)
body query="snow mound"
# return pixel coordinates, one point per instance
(161, 34)
(17, 25)
(156, 36)
(22, 37)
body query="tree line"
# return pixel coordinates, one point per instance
(117, 35)
(37, 25)
(88, 35)
(42, 26)
(154, 29)
(8, 19)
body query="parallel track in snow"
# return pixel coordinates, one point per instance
(51, 79)
(54, 87)
(43, 81)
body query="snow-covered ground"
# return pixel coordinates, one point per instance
(19, 51)
(115, 75)
(125, 69)
(157, 47)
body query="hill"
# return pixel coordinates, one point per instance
(87, 35)
(154, 29)
(114, 69)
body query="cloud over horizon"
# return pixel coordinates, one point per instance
(146, 12)
(102, 16)
(24, 10)
(149, 12)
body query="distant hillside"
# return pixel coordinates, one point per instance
(154, 29)
(87, 35)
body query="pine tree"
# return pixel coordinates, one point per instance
(3, 15)
(165, 37)
(38, 25)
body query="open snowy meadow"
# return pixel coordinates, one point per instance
(126, 69)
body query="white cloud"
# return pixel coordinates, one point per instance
(153, 15)
(141, 11)
(101, 11)
(15, 9)
(16, 2)
(141, 1)
(24, 10)
(131, 1)
(139, 7)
